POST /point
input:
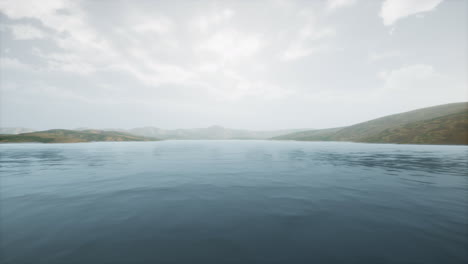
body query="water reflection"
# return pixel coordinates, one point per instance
(233, 202)
(417, 161)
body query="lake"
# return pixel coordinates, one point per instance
(233, 202)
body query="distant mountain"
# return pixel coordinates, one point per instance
(212, 132)
(443, 124)
(15, 130)
(71, 136)
(310, 135)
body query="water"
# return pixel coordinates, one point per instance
(233, 202)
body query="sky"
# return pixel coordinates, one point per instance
(258, 65)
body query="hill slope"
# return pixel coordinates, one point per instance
(449, 129)
(15, 130)
(212, 132)
(443, 124)
(71, 136)
(310, 135)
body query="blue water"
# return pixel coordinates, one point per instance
(233, 202)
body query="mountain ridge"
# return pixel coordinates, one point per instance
(441, 124)
(71, 136)
(211, 132)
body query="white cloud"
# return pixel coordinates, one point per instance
(420, 84)
(69, 62)
(83, 48)
(374, 56)
(298, 50)
(206, 22)
(47, 12)
(407, 77)
(228, 56)
(154, 73)
(230, 45)
(334, 4)
(393, 10)
(158, 25)
(33, 9)
(406, 88)
(307, 42)
(209, 67)
(12, 63)
(239, 87)
(24, 32)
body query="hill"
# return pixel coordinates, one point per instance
(443, 124)
(71, 136)
(15, 130)
(450, 129)
(212, 132)
(310, 135)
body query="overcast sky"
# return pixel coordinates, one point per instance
(238, 64)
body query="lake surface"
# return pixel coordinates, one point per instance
(233, 202)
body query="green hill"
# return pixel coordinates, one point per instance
(71, 136)
(212, 132)
(311, 135)
(450, 129)
(443, 124)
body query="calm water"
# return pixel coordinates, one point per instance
(233, 202)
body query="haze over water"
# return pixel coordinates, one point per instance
(233, 202)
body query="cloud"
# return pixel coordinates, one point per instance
(421, 84)
(13, 63)
(308, 42)
(187, 60)
(32, 9)
(374, 56)
(155, 74)
(25, 32)
(394, 10)
(335, 4)
(47, 12)
(82, 48)
(230, 45)
(241, 87)
(204, 23)
(158, 25)
(298, 50)
(408, 77)
(402, 89)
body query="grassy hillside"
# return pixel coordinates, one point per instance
(443, 124)
(449, 129)
(362, 131)
(71, 136)
(311, 135)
